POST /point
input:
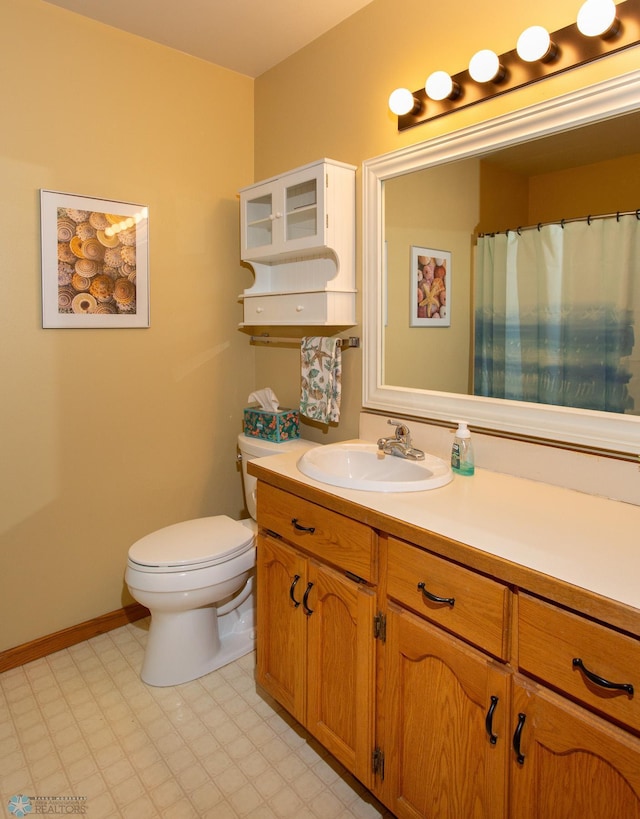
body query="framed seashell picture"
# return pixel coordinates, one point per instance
(430, 282)
(95, 262)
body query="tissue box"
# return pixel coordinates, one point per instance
(283, 425)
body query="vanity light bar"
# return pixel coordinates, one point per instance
(572, 49)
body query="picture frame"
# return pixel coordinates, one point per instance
(95, 262)
(430, 284)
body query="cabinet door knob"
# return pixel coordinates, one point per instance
(295, 602)
(488, 722)
(305, 601)
(299, 308)
(517, 738)
(259, 309)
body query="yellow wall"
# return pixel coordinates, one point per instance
(330, 99)
(108, 434)
(504, 198)
(603, 187)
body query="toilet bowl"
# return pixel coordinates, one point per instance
(196, 579)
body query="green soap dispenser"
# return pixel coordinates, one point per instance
(462, 451)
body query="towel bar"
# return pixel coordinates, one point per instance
(344, 343)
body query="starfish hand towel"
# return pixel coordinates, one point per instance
(320, 378)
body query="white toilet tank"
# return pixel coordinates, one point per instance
(251, 448)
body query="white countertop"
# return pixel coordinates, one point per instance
(587, 541)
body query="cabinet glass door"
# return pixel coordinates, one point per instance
(304, 208)
(259, 221)
(301, 210)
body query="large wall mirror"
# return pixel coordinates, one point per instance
(426, 211)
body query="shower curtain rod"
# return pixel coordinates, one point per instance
(563, 222)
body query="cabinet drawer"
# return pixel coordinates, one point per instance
(551, 638)
(300, 308)
(480, 607)
(334, 538)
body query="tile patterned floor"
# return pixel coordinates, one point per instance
(81, 723)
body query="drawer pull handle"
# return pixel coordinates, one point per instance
(488, 722)
(305, 601)
(434, 599)
(300, 528)
(628, 687)
(295, 602)
(517, 736)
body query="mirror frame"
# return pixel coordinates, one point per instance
(564, 426)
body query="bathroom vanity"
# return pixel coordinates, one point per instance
(470, 651)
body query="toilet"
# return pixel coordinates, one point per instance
(196, 579)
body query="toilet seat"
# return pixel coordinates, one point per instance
(190, 545)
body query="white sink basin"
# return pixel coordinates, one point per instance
(362, 466)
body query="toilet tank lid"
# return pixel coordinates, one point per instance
(193, 542)
(259, 447)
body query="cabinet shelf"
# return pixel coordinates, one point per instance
(302, 208)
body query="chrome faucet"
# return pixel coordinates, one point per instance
(400, 443)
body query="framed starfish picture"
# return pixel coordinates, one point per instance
(95, 262)
(430, 282)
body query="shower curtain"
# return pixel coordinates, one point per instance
(554, 313)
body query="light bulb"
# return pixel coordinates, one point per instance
(401, 101)
(485, 66)
(535, 44)
(439, 86)
(597, 18)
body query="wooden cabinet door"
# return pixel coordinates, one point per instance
(573, 765)
(440, 761)
(281, 624)
(340, 667)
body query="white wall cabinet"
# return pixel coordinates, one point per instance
(298, 235)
